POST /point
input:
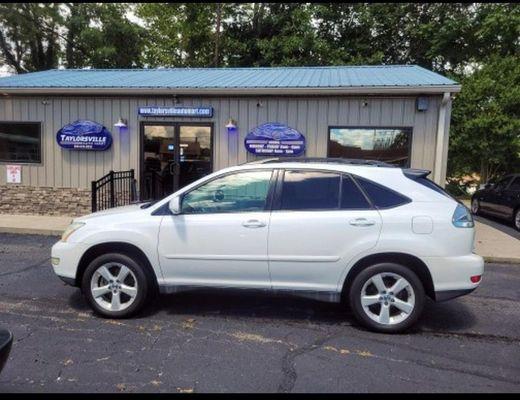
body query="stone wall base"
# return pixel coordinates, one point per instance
(18, 199)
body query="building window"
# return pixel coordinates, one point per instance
(391, 145)
(20, 142)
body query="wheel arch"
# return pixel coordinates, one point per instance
(127, 249)
(409, 261)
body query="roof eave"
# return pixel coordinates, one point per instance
(426, 89)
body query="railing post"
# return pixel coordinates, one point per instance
(93, 196)
(112, 194)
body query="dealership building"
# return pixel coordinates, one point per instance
(62, 132)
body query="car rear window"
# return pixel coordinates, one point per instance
(310, 190)
(381, 196)
(433, 186)
(351, 196)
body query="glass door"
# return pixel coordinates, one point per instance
(174, 155)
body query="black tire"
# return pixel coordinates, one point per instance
(365, 275)
(473, 210)
(144, 284)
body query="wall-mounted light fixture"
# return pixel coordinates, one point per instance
(121, 123)
(231, 126)
(364, 103)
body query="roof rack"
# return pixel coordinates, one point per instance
(325, 160)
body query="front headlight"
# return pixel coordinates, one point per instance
(70, 230)
(462, 217)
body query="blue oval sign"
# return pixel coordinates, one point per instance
(275, 139)
(84, 135)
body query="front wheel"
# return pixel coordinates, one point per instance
(516, 219)
(115, 285)
(387, 297)
(475, 206)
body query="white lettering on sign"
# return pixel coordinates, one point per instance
(14, 173)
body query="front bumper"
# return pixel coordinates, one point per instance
(451, 275)
(65, 258)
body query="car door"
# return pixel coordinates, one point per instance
(510, 197)
(220, 237)
(493, 202)
(320, 220)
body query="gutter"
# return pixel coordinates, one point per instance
(441, 131)
(367, 90)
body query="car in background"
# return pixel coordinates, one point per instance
(500, 199)
(6, 340)
(379, 237)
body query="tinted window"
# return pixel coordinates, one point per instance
(310, 190)
(432, 185)
(241, 192)
(381, 196)
(351, 196)
(501, 185)
(391, 145)
(515, 185)
(20, 142)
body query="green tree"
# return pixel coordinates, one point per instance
(29, 38)
(100, 36)
(485, 133)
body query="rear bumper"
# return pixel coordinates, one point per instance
(451, 275)
(451, 294)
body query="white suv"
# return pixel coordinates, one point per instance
(380, 237)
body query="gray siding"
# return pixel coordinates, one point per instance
(309, 115)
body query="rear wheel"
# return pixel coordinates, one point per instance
(387, 297)
(115, 285)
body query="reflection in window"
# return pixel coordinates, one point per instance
(390, 145)
(309, 190)
(241, 192)
(20, 142)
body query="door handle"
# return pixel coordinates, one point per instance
(253, 223)
(361, 222)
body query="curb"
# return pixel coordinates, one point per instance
(502, 260)
(29, 231)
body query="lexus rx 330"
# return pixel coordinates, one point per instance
(378, 238)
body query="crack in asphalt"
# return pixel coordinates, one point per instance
(33, 266)
(288, 369)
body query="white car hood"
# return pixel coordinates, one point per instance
(111, 211)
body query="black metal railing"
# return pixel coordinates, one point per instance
(113, 190)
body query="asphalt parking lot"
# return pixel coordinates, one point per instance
(245, 343)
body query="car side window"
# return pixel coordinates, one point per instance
(515, 185)
(239, 192)
(351, 196)
(381, 196)
(310, 190)
(502, 184)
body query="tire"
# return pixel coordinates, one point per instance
(516, 219)
(475, 206)
(100, 291)
(410, 297)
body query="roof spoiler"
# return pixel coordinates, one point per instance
(415, 174)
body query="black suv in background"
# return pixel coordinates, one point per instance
(501, 199)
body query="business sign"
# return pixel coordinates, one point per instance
(275, 139)
(14, 173)
(84, 135)
(201, 112)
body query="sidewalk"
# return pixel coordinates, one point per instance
(491, 243)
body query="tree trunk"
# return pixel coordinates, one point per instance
(216, 58)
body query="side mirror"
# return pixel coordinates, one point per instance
(175, 205)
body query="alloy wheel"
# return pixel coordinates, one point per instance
(113, 286)
(387, 298)
(517, 220)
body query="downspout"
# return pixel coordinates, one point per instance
(441, 130)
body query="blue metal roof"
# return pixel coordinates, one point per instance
(231, 78)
